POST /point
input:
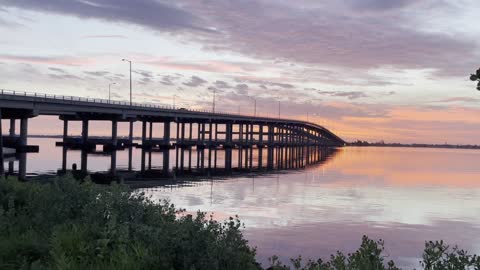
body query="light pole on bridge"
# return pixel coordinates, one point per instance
(130, 62)
(109, 91)
(254, 106)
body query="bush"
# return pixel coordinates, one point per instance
(72, 225)
(68, 225)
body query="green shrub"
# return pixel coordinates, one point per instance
(68, 225)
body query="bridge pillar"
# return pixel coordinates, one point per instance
(130, 149)
(2, 169)
(229, 146)
(260, 143)
(210, 145)
(166, 151)
(144, 139)
(12, 133)
(182, 141)
(65, 130)
(251, 146)
(22, 164)
(84, 131)
(270, 146)
(216, 145)
(202, 161)
(190, 134)
(113, 157)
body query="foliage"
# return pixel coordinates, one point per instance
(71, 225)
(68, 225)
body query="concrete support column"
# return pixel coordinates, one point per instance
(130, 149)
(240, 147)
(198, 143)
(270, 146)
(2, 168)
(216, 142)
(12, 127)
(260, 149)
(84, 130)
(247, 147)
(22, 164)
(182, 149)
(12, 133)
(202, 161)
(228, 148)
(210, 145)
(113, 157)
(190, 133)
(251, 147)
(114, 132)
(166, 152)
(144, 139)
(65, 129)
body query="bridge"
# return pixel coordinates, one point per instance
(168, 128)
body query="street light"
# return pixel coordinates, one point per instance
(109, 88)
(254, 106)
(174, 96)
(279, 109)
(130, 62)
(213, 102)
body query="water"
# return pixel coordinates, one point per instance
(402, 195)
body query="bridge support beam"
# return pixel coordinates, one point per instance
(228, 147)
(84, 131)
(166, 151)
(113, 158)
(22, 164)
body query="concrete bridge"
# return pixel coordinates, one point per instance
(180, 129)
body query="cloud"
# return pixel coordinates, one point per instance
(103, 36)
(55, 60)
(60, 70)
(195, 82)
(241, 89)
(332, 36)
(156, 15)
(97, 73)
(459, 99)
(222, 85)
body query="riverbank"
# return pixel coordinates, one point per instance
(71, 225)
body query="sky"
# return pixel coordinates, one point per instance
(392, 70)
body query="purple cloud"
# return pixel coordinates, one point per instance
(195, 82)
(153, 14)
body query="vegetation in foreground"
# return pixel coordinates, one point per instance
(72, 225)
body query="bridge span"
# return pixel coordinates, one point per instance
(168, 128)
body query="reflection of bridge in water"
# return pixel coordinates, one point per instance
(196, 169)
(198, 139)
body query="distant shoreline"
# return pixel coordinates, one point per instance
(359, 144)
(415, 145)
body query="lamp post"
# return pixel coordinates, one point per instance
(279, 109)
(476, 77)
(174, 96)
(109, 90)
(213, 103)
(254, 106)
(130, 62)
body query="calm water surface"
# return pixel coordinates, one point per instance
(402, 195)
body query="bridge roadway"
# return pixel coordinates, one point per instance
(191, 128)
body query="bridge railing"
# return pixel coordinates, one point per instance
(45, 96)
